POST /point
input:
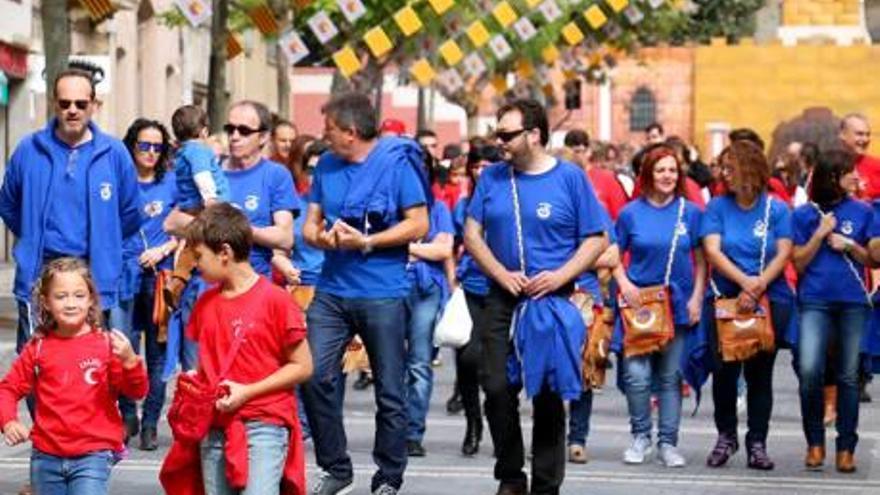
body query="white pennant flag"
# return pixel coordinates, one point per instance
(551, 11)
(352, 9)
(293, 47)
(195, 11)
(500, 47)
(524, 29)
(474, 65)
(323, 27)
(451, 80)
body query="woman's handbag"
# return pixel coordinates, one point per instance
(742, 335)
(600, 322)
(651, 326)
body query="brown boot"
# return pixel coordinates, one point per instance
(830, 404)
(846, 462)
(815, 457)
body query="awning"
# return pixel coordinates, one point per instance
(13, 61)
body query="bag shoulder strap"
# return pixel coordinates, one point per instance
(517, 221)
(764, 237)
(869, 295)
(674, 244)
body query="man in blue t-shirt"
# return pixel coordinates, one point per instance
(534, 224)
(367, 203)
(69, 190)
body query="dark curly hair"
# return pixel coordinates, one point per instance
(831, 166)
(131, 137)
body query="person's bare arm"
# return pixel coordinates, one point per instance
(279, 235)
(583, 259)
(439, 249)
(176, 221)
(414, 226)
(513, 282)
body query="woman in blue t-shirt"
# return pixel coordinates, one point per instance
(747, 257)
(145, 254)
(647, 229)
(831, 234)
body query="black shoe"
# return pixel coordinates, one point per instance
(132, 426)
(454, 405)
(414, 449)
(363, 382)
(758, 458)
(149, 439)
(512, 488)
(472, 437)
(864, 396)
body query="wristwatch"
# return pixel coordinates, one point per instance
(368, 246)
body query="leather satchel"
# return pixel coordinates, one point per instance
(742, 335)
(650, 327)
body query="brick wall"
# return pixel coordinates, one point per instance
(821, 12)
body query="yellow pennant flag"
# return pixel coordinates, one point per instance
(572, 34)
(533, 3)
(347, 61)
(595, 17)
(451, 52)
(441, 6)
(504, 14)
(550, 54)
(478, 34)
(408, 21)
(499, 82)
(617, 5)
(422, 72)
(524, 68)
(378, 41)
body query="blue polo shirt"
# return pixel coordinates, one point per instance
(67, 216)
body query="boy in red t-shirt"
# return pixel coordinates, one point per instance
(253, 329)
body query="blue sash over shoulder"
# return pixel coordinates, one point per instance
(370, 203)
(548, 335)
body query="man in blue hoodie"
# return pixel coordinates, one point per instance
(69, 190)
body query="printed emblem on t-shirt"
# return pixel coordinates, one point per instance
(760, 230)
(846, 227)
(154, 208)
(89, 367)
(543, 210)
(681, 229)
(251, 202)
(106, 191)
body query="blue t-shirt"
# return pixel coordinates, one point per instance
(193, 158)
(558, 209)
(67, 218)
(467, 272)
(347, 273)
(432, 272)
(741, 237)
(646, 232)
(157, 200)
(828, 277)
(589, 280)
(259, 192)
(305, 257)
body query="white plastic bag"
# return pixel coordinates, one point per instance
(454, 328)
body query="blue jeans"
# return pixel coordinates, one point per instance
(422, 308)
(333, 322)
(579, 412)
(133, 317)
(662, 367)
(189, 349)
(267, 452)
(83, 475)
(822, 324)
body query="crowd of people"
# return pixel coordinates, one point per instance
(267, 265)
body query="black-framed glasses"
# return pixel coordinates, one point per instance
(145, 146)
(508, 136)
(242, 130)
(79, 104)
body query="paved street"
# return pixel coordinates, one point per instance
(445, 471)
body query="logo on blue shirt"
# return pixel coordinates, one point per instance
(106, 191)
(251, 202)
(154, 208)
(543, 210)
(681, 229)
(760, 229)
(846, 227)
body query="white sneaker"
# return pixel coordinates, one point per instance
(670, 456)
(640, 448)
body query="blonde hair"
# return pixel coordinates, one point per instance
(45, 321)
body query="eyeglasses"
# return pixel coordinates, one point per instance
(508, 136)
(79, 104)
(243, 130)
(145, 146)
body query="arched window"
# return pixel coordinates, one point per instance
(642, 109)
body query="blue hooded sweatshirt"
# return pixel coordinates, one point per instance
(112, 204)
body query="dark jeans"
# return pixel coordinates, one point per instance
(579, 412)
(822, 325)
(133, 318)
(332, 322)
(467, 359)
(758, 372)
(502, 407)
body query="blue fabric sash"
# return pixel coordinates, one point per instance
(548, 335)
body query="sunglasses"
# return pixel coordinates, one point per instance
(79, 104)
(144, 146)
(508, 136)
(242, 130)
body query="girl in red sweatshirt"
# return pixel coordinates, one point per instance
(76, 373)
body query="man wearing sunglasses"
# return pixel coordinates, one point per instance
(69, 190)
(534, 224)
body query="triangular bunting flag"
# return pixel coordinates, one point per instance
(451, 52)
(422, 72)
(233, 47)
(195, 11)
(617, 5)
(524, 29)
(532, 3)
(378, 41)
(504, 14)
(550, 54)
(451, 80)
(293, 47)
(408, 21)
(347, 61)
(633, 15)
(500, 47)
(322, 27)
(478, 34)
(264, 20)
(550, 10)
(474, 65)
(595, 17)
(441, 6)
(572, 34)
(352, 9)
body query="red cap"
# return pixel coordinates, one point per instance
(394, 126)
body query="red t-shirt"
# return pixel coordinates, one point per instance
(271, 322)
(609, 192)
(868, 168)
(77, 389)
